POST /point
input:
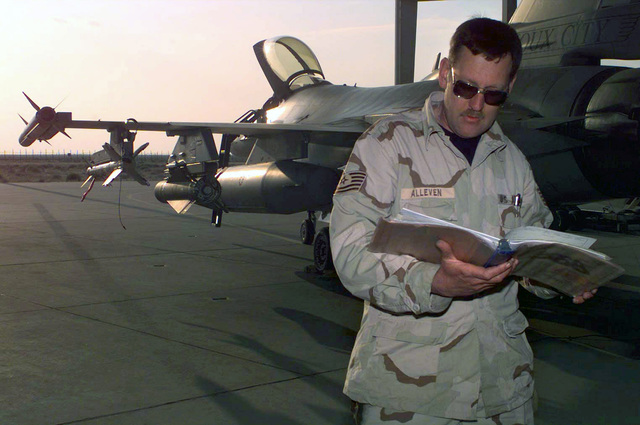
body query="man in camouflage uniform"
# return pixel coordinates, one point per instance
(442, 343)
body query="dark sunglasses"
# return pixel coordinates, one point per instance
(467, 91)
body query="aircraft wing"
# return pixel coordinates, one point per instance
(45, 126)
(261, 129)
(247, 129)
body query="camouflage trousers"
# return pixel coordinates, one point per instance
(366, 414)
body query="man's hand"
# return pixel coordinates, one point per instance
(456, 278)
(579, 299)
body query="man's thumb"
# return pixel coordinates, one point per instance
(445, 250)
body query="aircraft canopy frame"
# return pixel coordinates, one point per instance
(289, 64)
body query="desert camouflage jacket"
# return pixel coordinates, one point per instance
(417, 351)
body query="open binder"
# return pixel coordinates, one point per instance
(557, 259)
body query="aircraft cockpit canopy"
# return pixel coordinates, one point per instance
(288, 64)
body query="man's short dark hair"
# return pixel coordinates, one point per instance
(493, 39)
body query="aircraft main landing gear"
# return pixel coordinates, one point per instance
(322, 260)
(308, 229)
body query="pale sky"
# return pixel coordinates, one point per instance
(190, 60)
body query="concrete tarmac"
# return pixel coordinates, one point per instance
(173, 321)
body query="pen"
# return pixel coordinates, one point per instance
(517, 202)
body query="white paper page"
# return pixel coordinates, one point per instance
(542, 234)
(532, 242)
(409, 216)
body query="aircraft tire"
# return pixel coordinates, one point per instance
(307, 232)
(322, 259)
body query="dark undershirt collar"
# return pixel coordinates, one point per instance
(467, 146)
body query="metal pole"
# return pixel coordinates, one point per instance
(508, 8)
(406, 21)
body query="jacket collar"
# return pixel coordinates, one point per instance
(491, 141)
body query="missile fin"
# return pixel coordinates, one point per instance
(61, 130)
(113, 154)
(180, 206)
(137, 177)
(140, 149)
(35, 106)
(90, 178)
(84, 195)
(112, 177)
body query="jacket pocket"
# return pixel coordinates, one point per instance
(499, 219)
(515, 324)
(508, 217)
(410, 352)
(442, 208)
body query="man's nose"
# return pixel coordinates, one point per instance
(477, 102)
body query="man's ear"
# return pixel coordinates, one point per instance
(443, 73)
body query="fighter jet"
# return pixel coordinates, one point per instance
(575, 120)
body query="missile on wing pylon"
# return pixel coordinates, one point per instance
(45, 124)
(114, 166)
